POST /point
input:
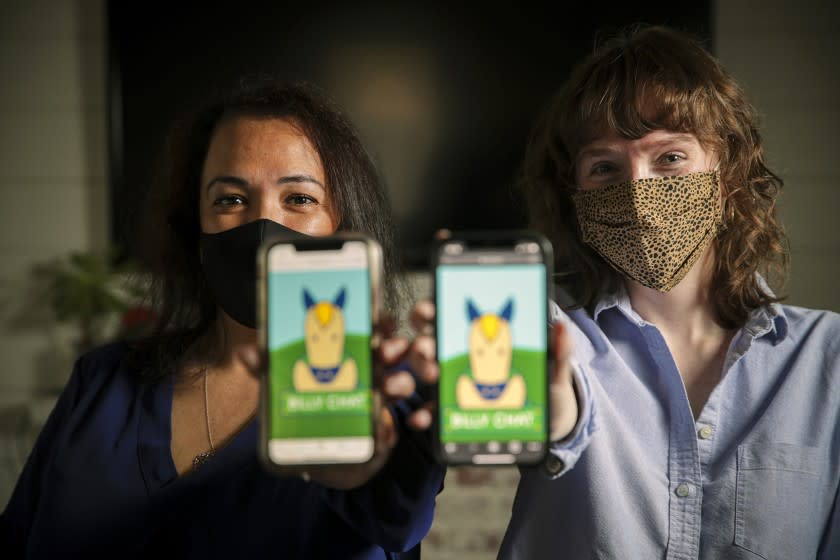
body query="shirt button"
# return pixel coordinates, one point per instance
(706, 432)
(553, 465)
(682, 490)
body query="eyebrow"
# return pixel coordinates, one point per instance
(594, 152)
(675, 138)
(285, 180)
(599, 151)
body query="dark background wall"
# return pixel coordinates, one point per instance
(444, 95)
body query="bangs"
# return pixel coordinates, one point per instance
(635, 89)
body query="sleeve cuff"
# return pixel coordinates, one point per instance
(563, 454)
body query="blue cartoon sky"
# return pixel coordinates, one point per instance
(490, 287)
(286, 308)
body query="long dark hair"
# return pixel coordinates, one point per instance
(652, 78)
(180, 295)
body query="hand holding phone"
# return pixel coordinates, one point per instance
(491, 296)
(319, 303)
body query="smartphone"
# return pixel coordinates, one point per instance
(492, 293)
(318, 302)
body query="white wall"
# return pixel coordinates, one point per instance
(53, 192)
(52, 173)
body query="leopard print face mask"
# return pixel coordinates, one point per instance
(652, 230)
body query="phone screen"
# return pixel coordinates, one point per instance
(492, 323)
(319, 327)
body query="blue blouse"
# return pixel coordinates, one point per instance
(755, 475)
(100, 480)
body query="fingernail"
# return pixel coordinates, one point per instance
(431, 373)
(423, 417)
(395, 349)
(395, 384)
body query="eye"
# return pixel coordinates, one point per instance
(228, 200)
(672, 157)
(602, 168)
(300, 199)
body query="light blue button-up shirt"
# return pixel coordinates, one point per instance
(755, 476)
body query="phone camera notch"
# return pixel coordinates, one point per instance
(453, 248)
(527, 248)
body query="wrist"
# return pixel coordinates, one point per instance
(565, 409)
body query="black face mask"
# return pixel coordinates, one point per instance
(229, 261)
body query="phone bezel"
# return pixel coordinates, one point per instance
(501, 240)
(375, 270)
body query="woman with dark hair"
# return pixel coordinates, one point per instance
(151, 448)
(717, 408)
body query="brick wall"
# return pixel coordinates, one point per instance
(472, 513)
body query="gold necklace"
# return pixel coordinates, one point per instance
(205, 456)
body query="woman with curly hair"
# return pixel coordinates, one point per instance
(709, 412)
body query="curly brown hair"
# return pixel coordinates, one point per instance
(645, 79)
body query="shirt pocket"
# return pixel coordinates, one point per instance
(777, 492)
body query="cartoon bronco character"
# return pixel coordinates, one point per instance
(325, 368)
(490, 351)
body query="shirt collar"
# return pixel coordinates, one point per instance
(618, 299)
(771, 319)
(767, 320)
